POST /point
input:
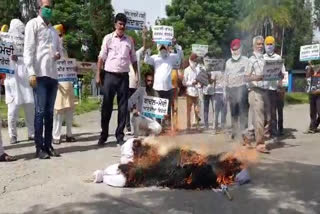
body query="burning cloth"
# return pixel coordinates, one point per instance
(141, 165)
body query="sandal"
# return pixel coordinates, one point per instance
(262, 149)
(7, 158)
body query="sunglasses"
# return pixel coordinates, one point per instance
(60, 35)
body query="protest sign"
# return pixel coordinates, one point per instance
(200, 50)
(285, 81)
(214, 64)
(16, 40)
(272, 70)
(162, 34)
(155, 107)
(310, 52)
(136, 19)
(66, 70)
(6, 51)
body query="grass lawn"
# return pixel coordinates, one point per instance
(297, 98)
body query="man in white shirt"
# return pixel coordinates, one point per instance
(18, 91)
(163, 64)
(189, 80)
(275, 94)
(41, 51)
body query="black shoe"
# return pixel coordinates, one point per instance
(30, 138)
(70, 139)
(101, 142)
(42, 154)
(120, 142)
(52, 152)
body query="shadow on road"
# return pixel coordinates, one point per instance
(284, 187)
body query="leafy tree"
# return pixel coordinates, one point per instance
(202, 22)
(9, 10)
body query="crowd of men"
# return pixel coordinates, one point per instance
(46, 101)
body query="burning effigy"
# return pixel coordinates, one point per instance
(144, 164)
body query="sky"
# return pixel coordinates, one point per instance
(153, 8)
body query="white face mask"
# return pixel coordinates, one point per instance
(163, 53)
(236, 54)
(193, 64)
(269, 49)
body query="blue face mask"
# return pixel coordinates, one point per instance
(269, 49)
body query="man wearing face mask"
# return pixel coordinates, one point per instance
(163, 64)
(275, 94)
(257, 93)
(236, 88)
(41, 51)
(18, 91)
(189, 80)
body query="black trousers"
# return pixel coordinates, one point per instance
(128, 124)
(114, 84)
(314, 111)
(279, 108)
(239, 107)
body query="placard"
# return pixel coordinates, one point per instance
(215, 64)
(200, 50)
(272, 70)
(66, 70)
(136, 19)
(155, 107)
(310, 52)
(162, 34)
(16, 40)
(6, 51)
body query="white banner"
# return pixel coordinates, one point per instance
(162, 34)
(310, 52)
(215, 64)
(200, 50)
(285, 81)
(155, 107)
(136, 19)
(6, 51)
(272, 70)
(66, 70)
(16, 40)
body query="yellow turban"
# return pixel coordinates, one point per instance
(59, 28)
(270, 40)
(4, 28)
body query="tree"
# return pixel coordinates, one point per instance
(202, 22)
(9, 10)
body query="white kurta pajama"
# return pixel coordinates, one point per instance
(18, 92)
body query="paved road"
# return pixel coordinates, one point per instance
(286, 181)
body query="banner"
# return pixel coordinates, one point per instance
(16, 40)
(272, 70)
(155, 107)
(214, 64)
(200, 50)
(6, 51)
(162, 34)
(310, 52)
(136, 19)
(66, 70)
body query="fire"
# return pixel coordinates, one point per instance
(229, 167)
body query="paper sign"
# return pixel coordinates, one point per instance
(200, 50)
(215, 64)
(162, 34)
(310, 52)
(16, 40)
(155, 107)
(285, 81)
(272, 70)
(66, 70)
(136, 19)
(6, 51)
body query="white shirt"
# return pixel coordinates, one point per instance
(41, 43)
(273, 85)
(256, 64)
(219, 77)
(235, 72)
(189, 77)
(163, 68)
(133, 81)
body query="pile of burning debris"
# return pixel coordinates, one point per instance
(178, 168)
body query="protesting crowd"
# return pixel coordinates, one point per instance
(147, 103)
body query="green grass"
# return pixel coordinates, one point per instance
(296, 98)
(4, 110)
(91, 104)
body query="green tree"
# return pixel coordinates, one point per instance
(9, 10)
(202, 22)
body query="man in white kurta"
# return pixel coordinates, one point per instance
(18, 91)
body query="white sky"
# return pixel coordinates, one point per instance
(153, 8)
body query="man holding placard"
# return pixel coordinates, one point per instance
(275, 91)
(18, 91)
(41, 51)
(236, 88)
